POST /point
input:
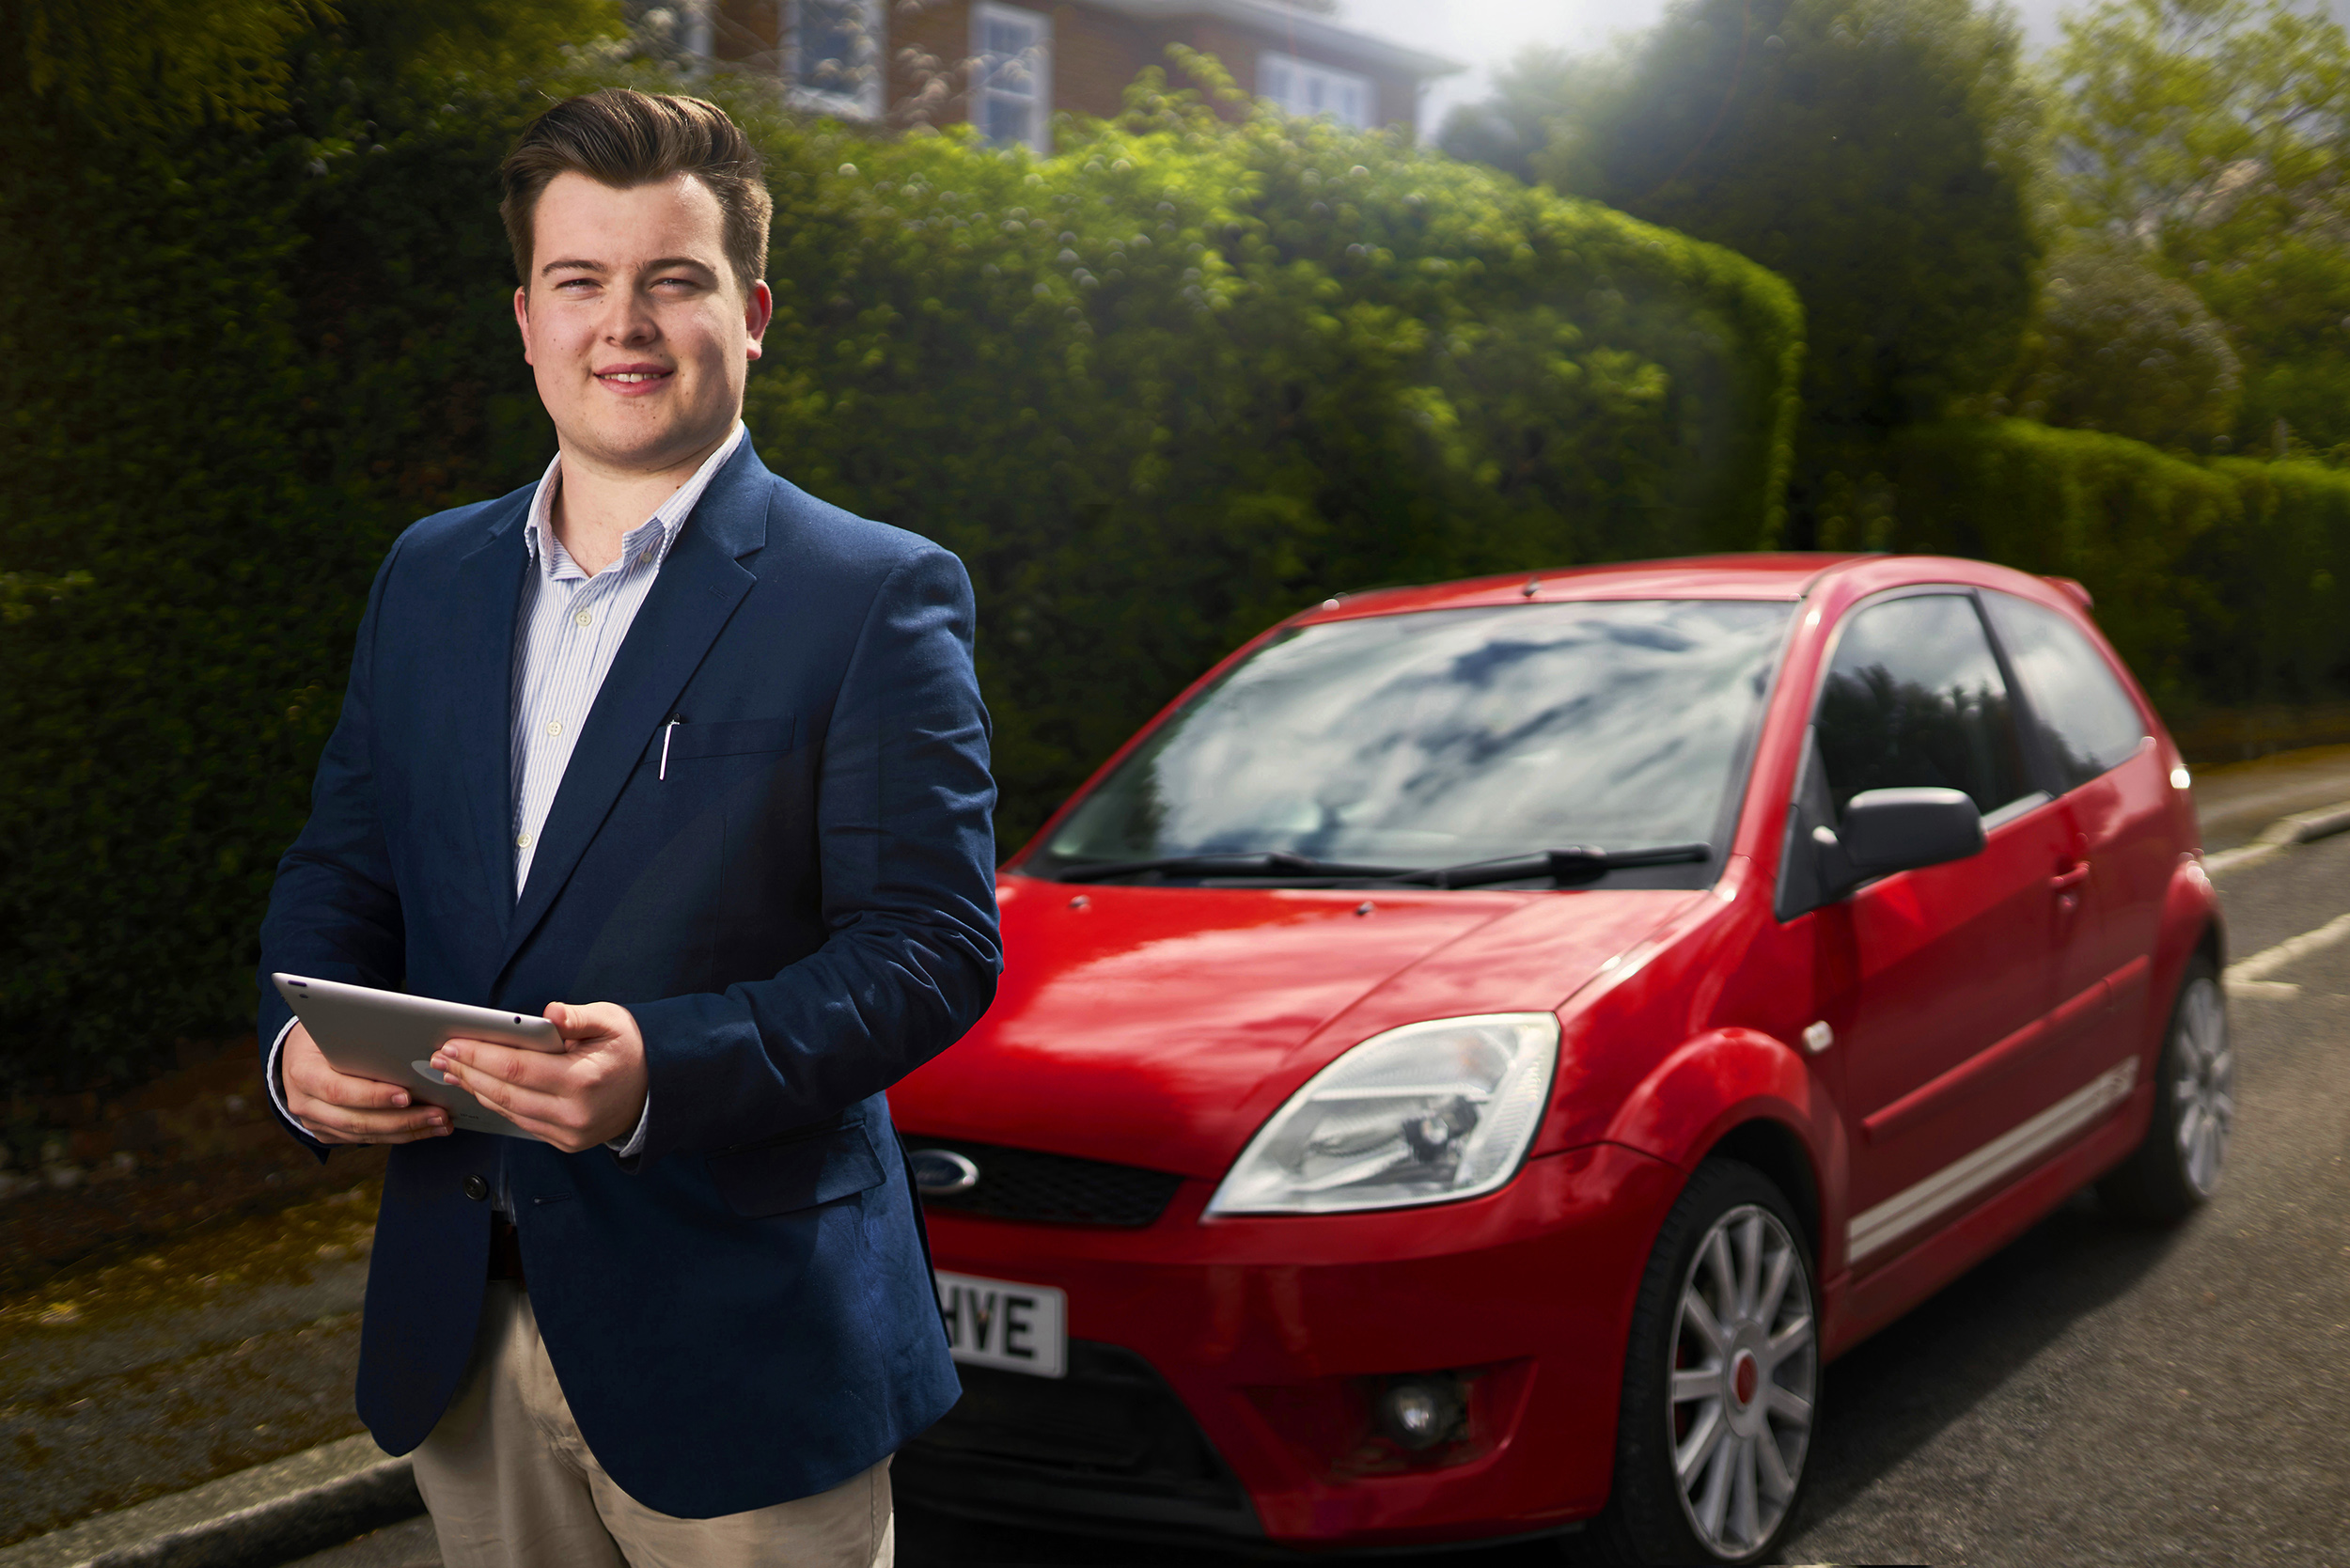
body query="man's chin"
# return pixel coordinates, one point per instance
(647, 446)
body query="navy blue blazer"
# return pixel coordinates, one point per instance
(800, 914)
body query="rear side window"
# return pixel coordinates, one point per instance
(2089, 722)
(1915, 697)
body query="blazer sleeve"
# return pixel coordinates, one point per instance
(333, 911)
(906, 844)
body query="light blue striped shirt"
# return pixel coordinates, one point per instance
(568, 630)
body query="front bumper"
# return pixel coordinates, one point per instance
(1221, 1372)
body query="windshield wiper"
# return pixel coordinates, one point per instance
(1564, 868)
(1280, 863)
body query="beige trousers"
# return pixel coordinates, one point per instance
(511, 1484)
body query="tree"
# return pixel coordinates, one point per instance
(2115, 346)
(1507, 130)
(1876, 153)
(2213, 133)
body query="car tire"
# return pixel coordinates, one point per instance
(1721, 1382)
(2176, 1167)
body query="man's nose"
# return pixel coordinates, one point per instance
(628, 317)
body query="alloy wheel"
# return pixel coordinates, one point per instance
(2203, 1086)
(1746, 1373)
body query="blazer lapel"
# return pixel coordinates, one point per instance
(485, 598)
(699, 586)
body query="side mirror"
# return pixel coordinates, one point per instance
(1885, 831)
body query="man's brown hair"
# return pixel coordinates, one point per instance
(624, 138)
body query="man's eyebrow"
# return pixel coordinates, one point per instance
(659, 264)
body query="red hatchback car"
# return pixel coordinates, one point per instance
(1463, 1068)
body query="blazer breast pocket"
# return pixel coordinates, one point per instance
(797, 1169)
(727, 738)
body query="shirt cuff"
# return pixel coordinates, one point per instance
(272, 1075)
(635, 1142)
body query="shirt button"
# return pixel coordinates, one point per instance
(554, 726)
(522, 841)
(476, 1189)
(584, 617)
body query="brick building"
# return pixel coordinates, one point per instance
(1008, 67)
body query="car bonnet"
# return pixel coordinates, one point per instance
(1159, 1027)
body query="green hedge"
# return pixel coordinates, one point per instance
(2220, 581)
(237, 361)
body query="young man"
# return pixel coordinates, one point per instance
(696, 765)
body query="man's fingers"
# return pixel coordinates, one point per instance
(582, 1020)
(340, 1124)
(509, 1064)
(517, 1103)
(337, 1107)
(339, 1088)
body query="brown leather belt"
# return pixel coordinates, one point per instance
(506, 1249)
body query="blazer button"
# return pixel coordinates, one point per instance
(476, 1189)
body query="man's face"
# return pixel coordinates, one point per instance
(632, 322)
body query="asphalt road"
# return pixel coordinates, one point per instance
(2095, 1393)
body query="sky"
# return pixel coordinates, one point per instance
(1482, 33)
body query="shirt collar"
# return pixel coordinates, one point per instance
(651, 539)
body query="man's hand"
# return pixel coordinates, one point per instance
(339, 1108)
(589, 1092)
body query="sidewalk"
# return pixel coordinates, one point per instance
(266, 1514)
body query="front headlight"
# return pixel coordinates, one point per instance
(1423, 1114)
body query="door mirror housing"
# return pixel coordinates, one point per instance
(1884, 831)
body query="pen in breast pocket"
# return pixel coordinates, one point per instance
(673, 721)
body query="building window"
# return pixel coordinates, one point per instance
(1303, 88)
(1011, 75)
(833, 55)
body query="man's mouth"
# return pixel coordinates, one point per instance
(633, 375)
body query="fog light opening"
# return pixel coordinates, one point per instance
(1419, 1413)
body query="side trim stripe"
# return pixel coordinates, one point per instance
(1872, 1231)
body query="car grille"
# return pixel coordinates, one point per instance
(1109, 1443)
(1053, 1189)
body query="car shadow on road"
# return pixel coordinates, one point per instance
(1898, 1390)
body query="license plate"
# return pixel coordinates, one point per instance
(995, 1323)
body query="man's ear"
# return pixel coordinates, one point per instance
(758, 311)
(522, 320)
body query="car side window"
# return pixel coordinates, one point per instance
(1915, 697)
(2087, 720)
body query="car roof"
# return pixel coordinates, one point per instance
(1786, 575)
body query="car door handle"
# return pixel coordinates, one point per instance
(2069, 881)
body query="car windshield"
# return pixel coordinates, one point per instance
(1449, 736)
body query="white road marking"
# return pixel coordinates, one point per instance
(2269, 959)
(2300, 828)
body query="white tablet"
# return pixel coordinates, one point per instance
(390, 1036)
